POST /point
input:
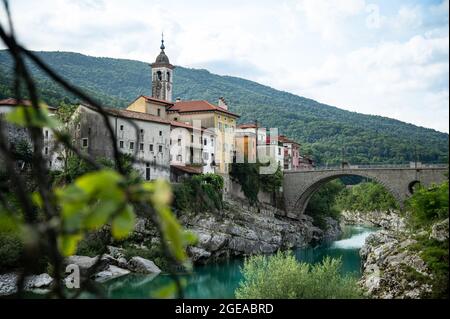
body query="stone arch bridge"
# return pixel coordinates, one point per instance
(299, 186)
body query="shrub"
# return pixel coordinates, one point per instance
(428, 205)
(11, 248)
(199, 193)
(281, 276)
(322, 203)
(154, 253)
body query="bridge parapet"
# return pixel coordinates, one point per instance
(300, 185)
(372, 166)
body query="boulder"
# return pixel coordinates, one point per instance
(439, 231)
(198, 254)
(109, 273)
(142, 265)
(85, 263)
(38, 281)
(8, 282)
(116, 252)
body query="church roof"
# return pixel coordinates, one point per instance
(131, 114)
(162, 59)
(198, 106)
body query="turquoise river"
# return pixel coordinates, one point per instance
(219, 280)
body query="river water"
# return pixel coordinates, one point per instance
(219, 280)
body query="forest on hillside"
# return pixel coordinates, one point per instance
(327, 133)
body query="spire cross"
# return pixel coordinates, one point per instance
(162, 41)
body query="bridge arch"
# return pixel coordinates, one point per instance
(299, 186)
(303, 199)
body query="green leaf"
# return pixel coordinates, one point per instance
(68, 244)
(28, 116)
(123, 223)
(167, 291)
(105, 182)
(173, 233)
(162, 194)
(100, 214)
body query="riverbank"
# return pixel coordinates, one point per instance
(400, 262)
(244, 230)
(221, 278)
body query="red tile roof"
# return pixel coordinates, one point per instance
(284, 139)
(188, 169)
(248, 125)
(198, 106)
(152, 99)
(131, 114)
(13, 102)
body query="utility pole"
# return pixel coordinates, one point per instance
(415, 156)
(256, 139)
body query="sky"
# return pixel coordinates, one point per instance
(386, 57)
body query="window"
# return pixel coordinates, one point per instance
(179, 158)
(131, 145)
(279, 151)
(147, 171)
(212, 141)
(151, 147)
(85, 142)
(205, 142)
(141, 147)
(46, 151)
(160, 148)
(168, 76)
(121, 144)
(205, 156)
(192, 138)
(159, 112)
(176, 118)
(179, 142)
(121, 127)
(46, 133)
(160, 133)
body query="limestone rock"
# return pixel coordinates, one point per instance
(390, 269)
(198, 254)
(439, 231)
(9, 282)
(142, 265)
(109, 273)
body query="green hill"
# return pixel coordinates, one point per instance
(322, 130)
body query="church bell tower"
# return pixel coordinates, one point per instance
(162, 76)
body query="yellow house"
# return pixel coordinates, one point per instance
(214, 117)
(150, 105)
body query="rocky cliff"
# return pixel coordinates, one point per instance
(243, 230)
(391, 220)
(398, 264)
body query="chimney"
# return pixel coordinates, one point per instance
(178, 100)
(223, 103)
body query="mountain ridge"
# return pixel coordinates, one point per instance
(327, 132)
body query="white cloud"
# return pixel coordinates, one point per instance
(324, 50)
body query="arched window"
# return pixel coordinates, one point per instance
(168, 76)
(159, 74)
